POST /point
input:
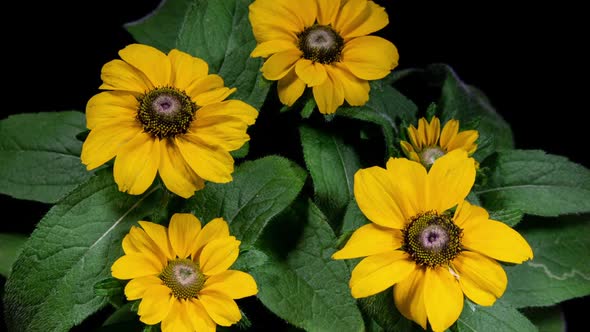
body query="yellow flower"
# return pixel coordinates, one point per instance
(430, 254)
(322, 44)
(427, 143)
(181, 274)
(164, 114)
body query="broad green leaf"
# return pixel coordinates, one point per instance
(546, 319)
(499, 317)
(510, 217)
(11, 244)
(381, 308)
(260, 190)
(306, 287)
(51, 287)
(560, 269)
(386, 107)
(332, 164)
(535, 183)
(353, 218)
(40, 155)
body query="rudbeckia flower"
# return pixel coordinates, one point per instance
(427, 241)
(322, 44)
(181, 274)
(427, 143)
(163, 113)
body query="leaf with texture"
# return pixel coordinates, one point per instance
(51, 287)
(499, 317)
(535, 183)
(260, 190)
(381, 308)
(40, 155)
(546, 319)
(11, 244)
(560, 269)
(307, 287)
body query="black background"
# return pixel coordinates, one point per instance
(529, 59)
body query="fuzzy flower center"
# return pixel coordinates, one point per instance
(183, 277)
(432, 239)
(320, 43)
(165, 112)
(430, 154)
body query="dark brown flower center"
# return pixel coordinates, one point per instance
(320, 43)
(183, 277)
(166, 112)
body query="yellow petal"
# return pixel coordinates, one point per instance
(236, 109)
(312, 73)
(111, 107)
(105, 141)
(175, 172)
(145, 245)
(270, 47)
(464, 140)
(218, 255)
(450, 179)
(433, 131)
(178, 319)
(422, 131)
(370, 57)
(327, 11)
(414, 139)
(204, 84)
(159, 235)
(372, 192)
(212, 163)
(370, 239)
(407, 185)
(443, 298)
(183, 231)
(150, 61)
(119, 75)
(128, 246)
(223, 310)
(449, 131)
(409, 151)
(137, 163)
(496, 240)
(213, 96)
(409, 294)
(379, 272)
(467, 213)
(482, 279)
(288, 17)
(279, 64)
(290, 88)
(231, 283)
(186, 69)
(136, 288)
(329, 95)
(155, 305)
(360, 18)
(214, 229)
(356, 90)
(134, 266)
(199, 317)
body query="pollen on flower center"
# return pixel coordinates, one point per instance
(432, 239)
(320, 43)
(183, 277)
(165, 112)
(430, 154)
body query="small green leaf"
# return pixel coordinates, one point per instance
(510, 217)
(381, 308)
(499, 317)
(72, 248)
(109, 287)
(307, 287)
(40, 155)
(546, 319)
(535, 183)
(260, 190)
(11, 244)
(560, 269)
(353, 218)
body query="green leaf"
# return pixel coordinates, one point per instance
(560, 269)
(306, 287)
(51, 287)
(260, 190)
(40, 155)
(10, 247)
(510, 217)
(332, 164)
(220, 33)
(499, 317)
(536, 183)
(353, 218)
(381, 308)
(547, 319)
(160, 28)
(387, 108)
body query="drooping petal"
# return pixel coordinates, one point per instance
(159, 235)
(232, 283)
(443, 298)
(155, 305)
(450, 179)
(120, 76)
(175, 172)
(290, 88)
(482, 279)
(110, 107)
(136, 288)
(183, 231)
(199, 317)
(186, 69)
(279, 64)
(222, 309)
(312, 73)
(409, 294)
(370, 57)
(218, 255)
(212, 163)
(134, 266)
(178, 318)
(449, 131)
(407, 184)
(379, 272)
(214, 229)
(150, 61)
(104, 142)
(370, 239)
(137, 163)
(270, 47)
(360, 18)
(356, 90)
(327, 11)
(329, 95)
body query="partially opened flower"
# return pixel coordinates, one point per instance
(164, 114)
(322, 44)
(427, 142)
(181, 274)
(432, 255)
